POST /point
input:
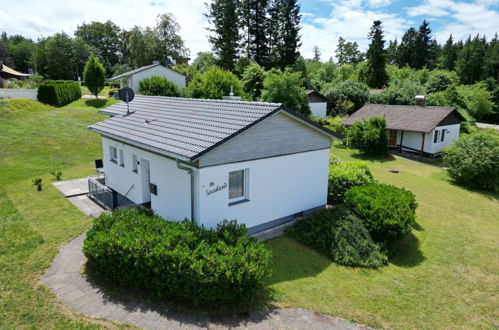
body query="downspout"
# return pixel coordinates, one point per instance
(191, 173)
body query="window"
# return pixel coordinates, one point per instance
(113, 154)
(122, 158)
(443, 135)
(435, 137)
(238, 186)
(135, 164)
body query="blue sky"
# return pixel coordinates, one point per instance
(322, 23)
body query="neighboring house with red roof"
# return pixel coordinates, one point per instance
(417, 128)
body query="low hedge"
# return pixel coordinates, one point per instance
(177, 259)
(388, 212)
(59, 92)
(345, 175)
(341, 235)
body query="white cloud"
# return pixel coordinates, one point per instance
(464, 18)
(378, 3)
(29, 18)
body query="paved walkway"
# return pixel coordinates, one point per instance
(76, 191)
(64, 278)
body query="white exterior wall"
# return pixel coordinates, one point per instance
(277, 187)
(173, 184)
(413, 139)
(15, 93)
(318, 109)
(133, 80)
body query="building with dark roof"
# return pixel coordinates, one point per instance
(317, 103)
(417, 128)
(210, 160)
(132, 78)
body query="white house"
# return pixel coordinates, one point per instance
(132, 78)
(417, 128)
(317, 103)
(210, 160)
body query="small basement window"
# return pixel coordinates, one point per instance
(122, 158)
(238, 186)
(113, 154)
(135, 164)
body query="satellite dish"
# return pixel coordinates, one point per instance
(126, 94)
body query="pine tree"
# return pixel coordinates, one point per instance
(406, 53)
(317, 54)
(449, 54)
(225, 38)
(423, 52)
(348, 52)
(376, 62)
(284, 29)
(253, 17)
(470, 64)
(391, 52)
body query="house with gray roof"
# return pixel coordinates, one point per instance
(210, 160)
(414, 128)
(132, 78)
(317, 103)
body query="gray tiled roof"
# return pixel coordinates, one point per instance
(138, 70)
(180, 127)
(403, 117)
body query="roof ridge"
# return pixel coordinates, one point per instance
(212, 100)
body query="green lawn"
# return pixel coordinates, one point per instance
(104, 92)
(444, 276)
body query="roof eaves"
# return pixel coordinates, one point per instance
(311, 123)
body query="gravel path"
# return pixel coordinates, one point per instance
(64, 278)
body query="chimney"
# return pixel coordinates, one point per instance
(155, 62)
(420, 100)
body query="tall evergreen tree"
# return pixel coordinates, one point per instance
(391, 52)
(470, 65)
(406, 53)
(284, 32)
(449, 55)
(225, 37)
(376, 61)
(424, 53)
(317, 54)
(255, 26)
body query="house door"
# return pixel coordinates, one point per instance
(393, 139)
(146, 180)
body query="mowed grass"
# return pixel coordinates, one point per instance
(35, 140)
(445, 275)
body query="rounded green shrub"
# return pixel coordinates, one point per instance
(339, 234)
(369, 136)
(168, 259)
(343, 176)
(158, 86)
(473, 160)
(352, 91)
(388, 212)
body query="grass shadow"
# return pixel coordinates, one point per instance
(418, 227)
(407, 252)
(491, 195)
(375, 159)
(96, 103)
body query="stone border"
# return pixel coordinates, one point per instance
(64, 278)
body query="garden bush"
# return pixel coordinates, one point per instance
(158, 86)
(473, 160)
(369, 136)
(351, 91)
(339, 234)
(388, 212)
(167, 259)
(343, 176)
(59, 92)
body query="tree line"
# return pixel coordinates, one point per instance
(62, 56)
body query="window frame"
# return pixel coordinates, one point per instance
(245, 183)
(135, 164)
(122, 158)
(436, 136)
(442, 136)
(113, 154)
